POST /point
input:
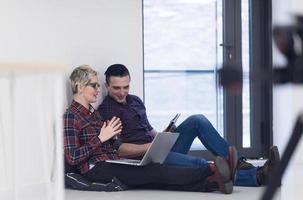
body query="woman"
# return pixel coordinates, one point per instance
(89, 141)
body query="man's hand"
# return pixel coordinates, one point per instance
(170, 129)
(110, 129)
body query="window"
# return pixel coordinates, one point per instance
(181, 57)
(246, 141)
(185, 42)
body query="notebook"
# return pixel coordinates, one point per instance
(156, 152)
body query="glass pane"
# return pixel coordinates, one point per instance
(245, 64)
(180, 59)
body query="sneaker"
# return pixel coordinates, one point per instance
(222, 176)
(264, 172)
(232, 160)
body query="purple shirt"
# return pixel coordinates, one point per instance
(136, 128)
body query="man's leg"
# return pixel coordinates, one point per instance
(199, 126)
(179, 159)
(242, 178)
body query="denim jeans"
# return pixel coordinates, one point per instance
(199, 126)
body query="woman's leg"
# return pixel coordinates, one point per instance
(137, 175)
(154, 176)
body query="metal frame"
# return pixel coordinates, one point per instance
(260, 90)
(232, 58)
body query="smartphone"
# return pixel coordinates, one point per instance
(172, 122)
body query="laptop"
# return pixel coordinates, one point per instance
(156, 152)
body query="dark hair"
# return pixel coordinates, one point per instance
(116, 70)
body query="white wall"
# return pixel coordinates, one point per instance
(283, 11)
(71, 32)
(287, 106)
(287, 99)
(74, 32)
(31, 140)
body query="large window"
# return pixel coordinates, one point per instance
(185, 42)
(181, 57)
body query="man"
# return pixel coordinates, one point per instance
(137, 132)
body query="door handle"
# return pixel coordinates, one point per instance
(226, 45)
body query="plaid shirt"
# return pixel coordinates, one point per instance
(81, 143)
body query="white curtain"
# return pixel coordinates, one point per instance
(31, 108)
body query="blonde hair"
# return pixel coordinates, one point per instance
(81, 77)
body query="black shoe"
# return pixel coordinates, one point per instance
(264, 172)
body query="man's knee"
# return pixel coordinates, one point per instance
(198, 119)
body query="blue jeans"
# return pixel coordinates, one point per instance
(199, 126)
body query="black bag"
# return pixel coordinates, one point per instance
(74, 180)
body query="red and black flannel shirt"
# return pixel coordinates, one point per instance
(81, 143)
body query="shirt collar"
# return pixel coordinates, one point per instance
(82, 109)
(128, 100)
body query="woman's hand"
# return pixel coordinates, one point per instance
(110, 129)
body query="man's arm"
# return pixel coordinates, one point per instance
(153, 133)
(128, 150)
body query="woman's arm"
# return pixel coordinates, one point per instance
(75, 153)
